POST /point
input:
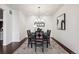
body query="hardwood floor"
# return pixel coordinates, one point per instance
(53, 48)
(64, 47)
(10, 48)
(1, 46)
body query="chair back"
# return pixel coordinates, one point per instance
(39, 34)
(38, 29)
(48, 32)
(28, 33)
(33, 35)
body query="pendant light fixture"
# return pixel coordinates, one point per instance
(39, 22)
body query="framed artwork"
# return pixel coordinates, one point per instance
(61, 22)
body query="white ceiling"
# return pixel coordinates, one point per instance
(32, 9)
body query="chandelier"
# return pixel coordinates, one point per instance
(39, 22)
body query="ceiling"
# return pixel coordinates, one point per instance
(32, 9)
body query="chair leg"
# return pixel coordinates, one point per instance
(49, 41)
(47, 44)
(31, 45)
(28, 42)
(42, 47)
(35, 47)
(28, 45)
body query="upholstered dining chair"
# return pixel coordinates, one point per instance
(39, 40)
(46, 39)
(32, 39)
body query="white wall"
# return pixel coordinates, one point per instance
(70, 36)
(22, 25)
(19, 26)
(13, 25)
(15, 29)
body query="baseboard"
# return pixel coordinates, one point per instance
(63, 46)
(10, 48)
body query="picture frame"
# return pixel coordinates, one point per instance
(61, 22)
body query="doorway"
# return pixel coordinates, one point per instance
(1, 30)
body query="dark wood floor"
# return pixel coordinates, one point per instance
(10, 48)
(1, 46)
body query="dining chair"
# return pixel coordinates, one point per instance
(29, 37)
(46, 39)
(39, 40)
(48, 36)
(32, 39)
